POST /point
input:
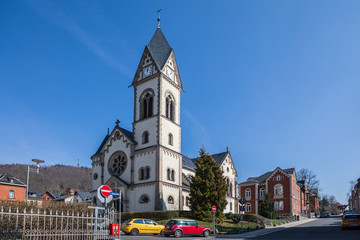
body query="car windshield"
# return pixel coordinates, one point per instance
(127, 221)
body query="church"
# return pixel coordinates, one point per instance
(146, 162)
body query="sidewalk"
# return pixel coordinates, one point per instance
(264, 231)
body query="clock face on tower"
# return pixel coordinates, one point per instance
(147, 71)
(171, 74)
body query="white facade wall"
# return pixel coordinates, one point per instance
(149, 125)
(143, 160)
(167, 87)
(171, 161)
(185, 195)
(96, 183)
(135, 205)
(174, 192)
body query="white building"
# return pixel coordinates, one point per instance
(146, 163)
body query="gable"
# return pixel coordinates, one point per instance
(276, 172)
(228, 161)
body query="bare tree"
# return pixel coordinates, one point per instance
(311, 178)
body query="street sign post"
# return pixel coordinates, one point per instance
(102, 192)
(116, 194)
(242, 201)
(214, 210)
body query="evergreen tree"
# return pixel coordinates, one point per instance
(208, 188)
(264, 206)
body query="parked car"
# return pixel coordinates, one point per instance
(350, 220)
(180, 227)
(139, 226)
(324, 214)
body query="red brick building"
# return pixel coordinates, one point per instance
(282, 187)
(11, 188)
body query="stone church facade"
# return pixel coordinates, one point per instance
(146, 163)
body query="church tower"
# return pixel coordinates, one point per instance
(156, 127)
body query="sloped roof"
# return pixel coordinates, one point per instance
(159, 48)
(10, 180)
(84, 195)
(102, 144)
(263, 177)
(128, 134)
(219, 157)
(188, 162)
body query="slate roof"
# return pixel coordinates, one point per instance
(263, 177)
(102, 144)
(191, 162)
(84, 195)
(159, 48)
(10, 180)
(128, 134)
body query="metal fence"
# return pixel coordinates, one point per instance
(54, 225)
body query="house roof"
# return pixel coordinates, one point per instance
(263, 177)
(188, 162)
(10, 180)
(191, 162)
(84, 195)
(159, 48)
(128, 134)
(102, 144)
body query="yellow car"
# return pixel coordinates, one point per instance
(139, 225)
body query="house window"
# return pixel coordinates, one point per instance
(170, 200)
(170, 107)
(262, 192)
(228, 187)
(248, 207)
(147, 172)
(144, 173)
(230, 206)
(231, 191)
(276, 206)
(281, 205)
(278, 190)
(146, 105)
(47, 198)
(187, 201)
(248, 193)
(170, 139)
(278, 177)
(168, 174)
(11, 194)
(145, 137)
(95, 176)
(172, 175)
(144, 199)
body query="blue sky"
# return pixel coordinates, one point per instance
(276, 81)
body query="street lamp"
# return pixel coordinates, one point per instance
(37, 161)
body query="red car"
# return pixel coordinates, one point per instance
(180, 227)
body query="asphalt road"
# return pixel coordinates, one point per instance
(322, 228)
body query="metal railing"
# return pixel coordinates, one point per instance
(53, 225)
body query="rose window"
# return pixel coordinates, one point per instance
(118, 164)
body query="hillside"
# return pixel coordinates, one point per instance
(53, 178)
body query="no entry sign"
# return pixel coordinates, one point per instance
(105, 191)
(214, 208)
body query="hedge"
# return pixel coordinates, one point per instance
(156, 215)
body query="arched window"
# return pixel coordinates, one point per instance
(145, 137)
(230, 206)
(141, 174)
(146, 105)
(248, 193)
(172, 175)
(231, 191)
(147, 171)
(170, 200)
(278, 178)
(170, 107)
(278, 190)
(168, 174)
(248, 207)
(187, 201)
(228, 187)
(144, 199)
(170, 139)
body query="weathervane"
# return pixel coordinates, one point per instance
(158, 11)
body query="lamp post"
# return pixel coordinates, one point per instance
(37, 161)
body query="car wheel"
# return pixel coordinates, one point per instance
(134, 232)
(167, 235)
(162, 233)
(178, 233)
(206, 233)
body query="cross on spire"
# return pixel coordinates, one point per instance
(117, 122)
(159, 20)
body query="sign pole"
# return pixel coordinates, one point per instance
(241, 223)
(119, 213)
(214, 223)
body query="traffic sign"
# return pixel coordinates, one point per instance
(214, 208)
(101, 197)
(242, 200)
(105, 191)
(116, 194)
